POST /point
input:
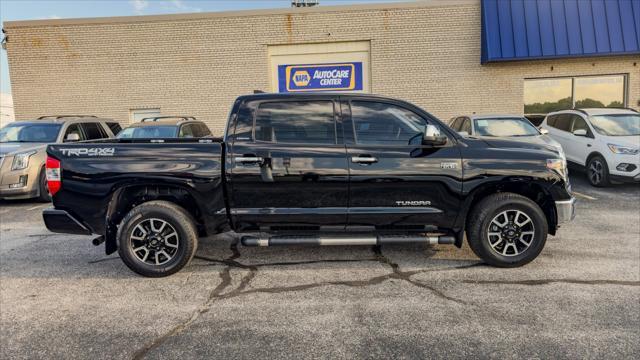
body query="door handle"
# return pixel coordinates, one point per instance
(248, 159)
(364, 159)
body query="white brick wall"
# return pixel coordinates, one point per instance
(196, 66)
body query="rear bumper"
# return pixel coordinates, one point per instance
(566, 210)
(61, 221)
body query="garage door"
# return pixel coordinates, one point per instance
(340, 66)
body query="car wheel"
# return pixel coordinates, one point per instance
(598, 171)
(507, 230)
(157, 238)
(43, 188)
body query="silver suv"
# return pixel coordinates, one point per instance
(23, 150)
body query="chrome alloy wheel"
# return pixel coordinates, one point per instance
(596, 171)
(511, 233)
(154, 241)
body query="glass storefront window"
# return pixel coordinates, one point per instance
(599, 91)
(542, 96)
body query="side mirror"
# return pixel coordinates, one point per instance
(72, 137)
(463, 133)
(580, 132)
(544, 131)
(432, 136)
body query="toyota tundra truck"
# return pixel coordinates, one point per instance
(311, 169)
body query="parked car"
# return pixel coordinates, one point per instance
(320, 169)
(23, 150)
(510, 126)
(166, 127)
(604, 141)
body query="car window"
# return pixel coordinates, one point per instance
(503, 126)
(93, 131)
(384, 124)
(309, 122)
(74, 129)
(617, 124)
(563, 122)
(458, 123)
(551, 120)
(454, 123)
(148, 132)
(187, 131)
(579, 124)
(115, 127)
(204, 130)
(466, 126)
(29, 132)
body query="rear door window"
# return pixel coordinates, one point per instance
(115, 127)
(306, 122)
(93, 131)
(551, 120)
(204, 130)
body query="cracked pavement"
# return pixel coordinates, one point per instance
(61, 297)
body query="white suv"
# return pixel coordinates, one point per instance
(605, 141)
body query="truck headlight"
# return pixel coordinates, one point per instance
(558, 165)
(625, 150)
(21, 160)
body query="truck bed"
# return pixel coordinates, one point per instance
(95, 173)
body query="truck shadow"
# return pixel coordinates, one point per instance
(48, 255)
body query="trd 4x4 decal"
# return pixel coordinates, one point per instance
(88, 151)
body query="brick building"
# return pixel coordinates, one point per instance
(449, 57)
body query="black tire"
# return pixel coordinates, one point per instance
(598, 172)
(177, 218)
(43, 188)
(487, 210)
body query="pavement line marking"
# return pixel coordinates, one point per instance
(584, 196)
(37, 207)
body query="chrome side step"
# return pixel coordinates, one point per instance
(346, 239)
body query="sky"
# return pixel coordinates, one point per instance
(50, 9)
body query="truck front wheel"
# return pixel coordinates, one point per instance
(507, 230)
(157, 238)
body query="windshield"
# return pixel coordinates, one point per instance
(617, 125)
(30, 132)
(504, 127)
(148, 132)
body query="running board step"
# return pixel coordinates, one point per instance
(282, 240)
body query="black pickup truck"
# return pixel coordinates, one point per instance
(319, 169)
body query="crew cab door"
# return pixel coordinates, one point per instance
(394, 184)
(288, 166)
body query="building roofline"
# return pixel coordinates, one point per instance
(236, 13)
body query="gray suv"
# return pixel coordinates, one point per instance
(23, 150)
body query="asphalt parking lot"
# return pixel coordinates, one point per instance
(61, 297)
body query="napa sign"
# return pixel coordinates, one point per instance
(320, 77)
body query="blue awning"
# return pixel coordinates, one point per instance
(543, 29)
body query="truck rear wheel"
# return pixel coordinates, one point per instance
(157, 238)
(507, 230)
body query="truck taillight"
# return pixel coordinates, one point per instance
(54, 180)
